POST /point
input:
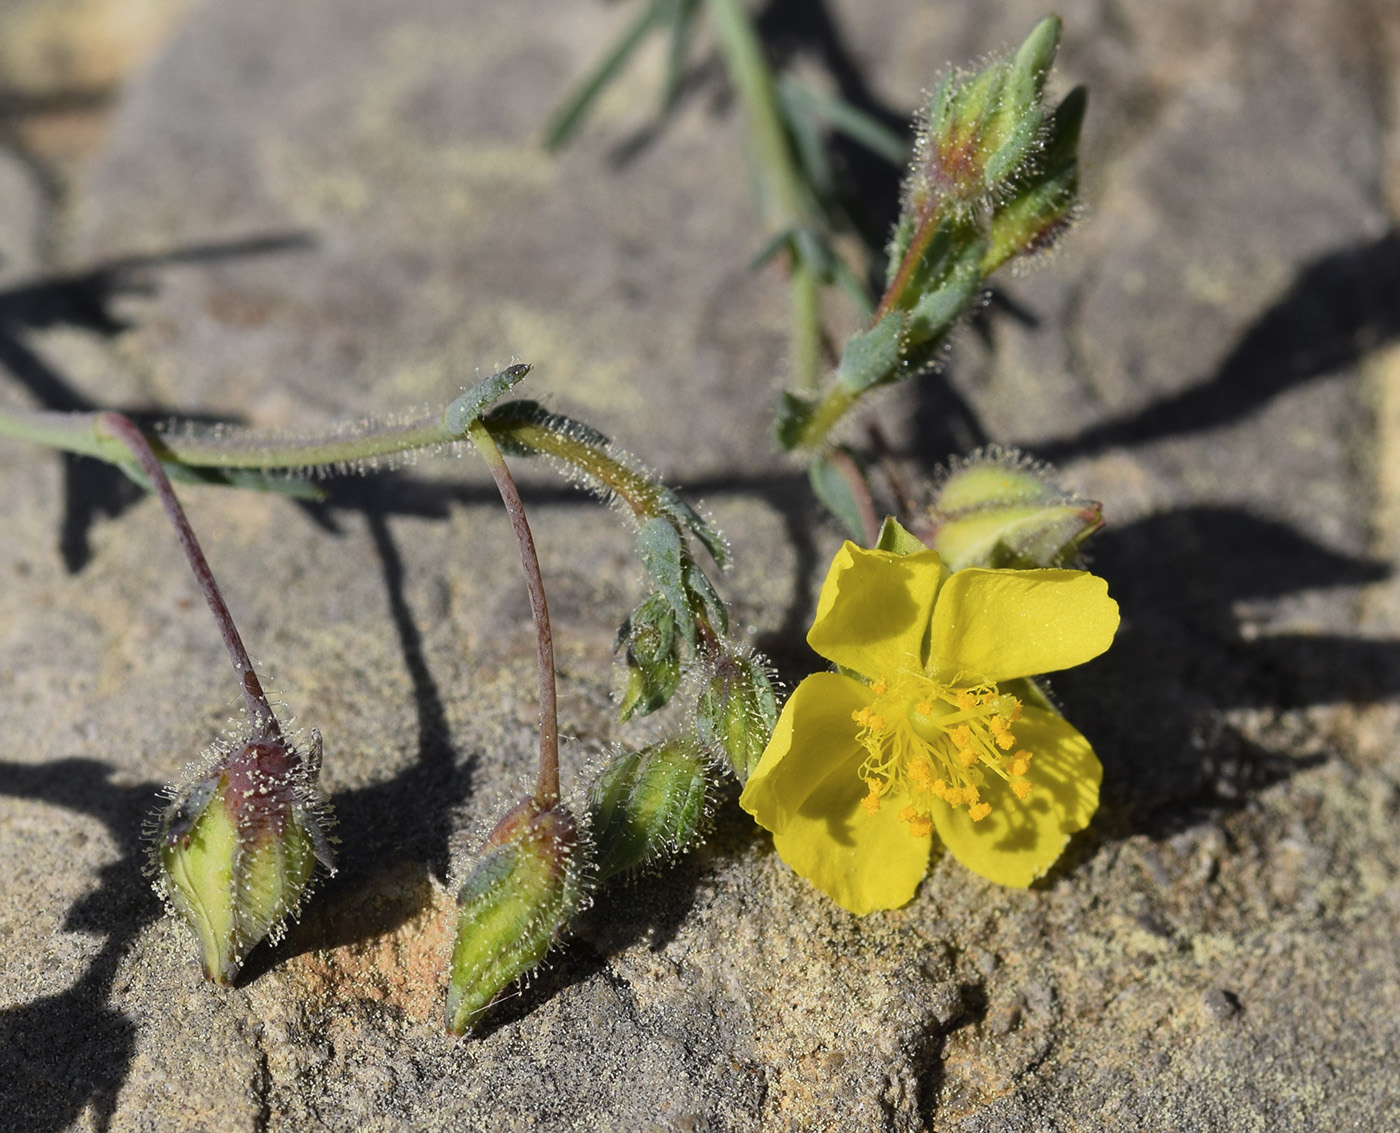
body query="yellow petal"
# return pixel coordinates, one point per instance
(815, 737)
(874, 609)
(996, 625)
(863, 862)
(1019, 841)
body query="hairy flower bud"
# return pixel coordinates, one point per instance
(646, 805)
(999, 509)
(520, 895)
(236, 851)
(653, 656)
(982, 126)
(736, 713)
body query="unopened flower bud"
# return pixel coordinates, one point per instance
(999, 509)
(981, 127)
(646, 805)
(653, 655)
(236, 851)
(1043, 205)
(736, 713)
(519, 896)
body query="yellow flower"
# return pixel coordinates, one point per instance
(940, 733)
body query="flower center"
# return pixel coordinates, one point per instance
(935, 743)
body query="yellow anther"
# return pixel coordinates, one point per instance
(939, 788)
(967, 756)
(953, 796)
(907, 814)
(1020, 765)
(1015, 713)
(1020, 788)
(1001, 733)
(920, 826)
(861, 716)
(979, 812)
(971, 795)
(961, 735)
(875, 723)
(967, 701)
(921, 772)
(924, 708)
(880, 687)
(871, 802)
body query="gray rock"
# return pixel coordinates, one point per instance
(348, 216)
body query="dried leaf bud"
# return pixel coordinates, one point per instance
(736, 713)
(998, 508)
(646, 805)
(519, 896)
(235, 852)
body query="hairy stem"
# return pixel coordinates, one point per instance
(125, 430)
(547, 784)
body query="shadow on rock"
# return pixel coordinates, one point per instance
(1153, 704)
(402, 824)
(84, 301)
(1341, 307)
(61, 1053)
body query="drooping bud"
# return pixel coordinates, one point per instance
(998, 508)
(521, 894)
(235, 852)
(653, 657)
(737, 712)
(646, 805)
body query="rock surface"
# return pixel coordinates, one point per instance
(294, 214)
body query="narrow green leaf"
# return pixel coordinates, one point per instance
(567, 118)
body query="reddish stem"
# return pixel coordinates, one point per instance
(125, 430)
(547, 783)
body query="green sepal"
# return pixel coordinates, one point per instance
(646, 805)
(736, 713)
(997, 509)
(895, 539)
(517, 899)
(1013, 125)
(1044, 203)
(653, 657)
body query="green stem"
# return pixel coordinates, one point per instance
(783, 202)
(547, 784)
(226, 447)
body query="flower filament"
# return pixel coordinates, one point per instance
(927, 742)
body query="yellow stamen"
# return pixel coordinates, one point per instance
(979, 812)
(1020, 788)
(880, 687)
(920, 826)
